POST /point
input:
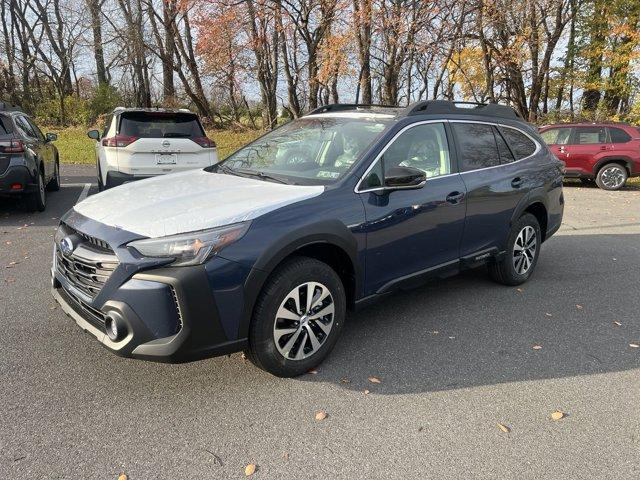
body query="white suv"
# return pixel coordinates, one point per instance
(141, 142)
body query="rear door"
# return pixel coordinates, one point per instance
(48, 150)
(162, 142)
(494, 179)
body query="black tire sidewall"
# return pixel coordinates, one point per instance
(263, 350)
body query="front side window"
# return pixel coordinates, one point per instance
(35, 129)
(556, 136)
(521, 145)
(24, 127)
(590, 135)
(478, 147)
(424, 147)
(619, 136)
(312, 150)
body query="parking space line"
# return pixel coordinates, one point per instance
(84, 193)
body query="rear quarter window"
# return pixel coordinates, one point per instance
(521, 145)
(160, 125)
(618, 135)
(5, 126)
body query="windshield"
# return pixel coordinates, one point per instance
(160, 125)
(307, 151)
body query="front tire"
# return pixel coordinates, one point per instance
(612, 176)
(523, 250)
(54, 183)
(298, 318)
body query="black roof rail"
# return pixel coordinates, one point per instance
(7, 107)
(342, 107)
(439, 107)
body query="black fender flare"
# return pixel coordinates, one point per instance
(628, 163)
(331, 232)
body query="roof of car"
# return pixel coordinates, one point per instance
(426, 107)
(151, 110)
(588, 124)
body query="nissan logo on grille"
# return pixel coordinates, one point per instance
(66, 246)
(166, 143)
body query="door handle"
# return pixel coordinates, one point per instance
(603, 147)
(516, 182)
(455, 197)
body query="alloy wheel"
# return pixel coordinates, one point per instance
(303, 321)
(524, 250)
(612, 177)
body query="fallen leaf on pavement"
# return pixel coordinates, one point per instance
(548, 314)
(520, 290)
(579, 307)
(345, 380)
(313, 371)
(320, 415)
(634, 345)
(249, 470)
(617, 324)
(123, 476)
(366, 392)
(557, 415)
(375, 380)
(285, 455)
(537, 347)
(503, 428)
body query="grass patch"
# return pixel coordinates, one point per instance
(75, 147)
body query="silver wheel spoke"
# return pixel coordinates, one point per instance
(300, 330)
(524, 250)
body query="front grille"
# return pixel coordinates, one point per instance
(91, 315)
(96, 242)
(87, 268)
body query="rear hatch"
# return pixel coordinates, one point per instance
(152, 143)
(9, 145)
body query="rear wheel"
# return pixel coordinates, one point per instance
(523, 249)
(298, 318)
(612, 176)
(37, 201)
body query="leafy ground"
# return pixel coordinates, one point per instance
(75, 147)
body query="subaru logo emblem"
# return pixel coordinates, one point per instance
(166, 143)
(66, 246)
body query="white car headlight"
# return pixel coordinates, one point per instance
(191, 248)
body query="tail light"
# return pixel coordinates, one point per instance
(119, 141)
(204, 142)
(12, 146)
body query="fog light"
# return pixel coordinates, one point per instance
(114, 327)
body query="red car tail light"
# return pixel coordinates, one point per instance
(119, 141)
(204, 142)
(12, 146)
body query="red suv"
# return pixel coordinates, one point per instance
(608, 153)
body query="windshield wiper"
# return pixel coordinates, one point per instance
(263, 176)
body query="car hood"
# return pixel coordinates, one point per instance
(189, 201)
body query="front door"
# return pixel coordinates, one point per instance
(410, 231)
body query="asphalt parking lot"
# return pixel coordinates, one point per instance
(455, 359)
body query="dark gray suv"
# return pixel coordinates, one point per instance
(29, 162)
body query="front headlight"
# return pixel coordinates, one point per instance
(191, 248)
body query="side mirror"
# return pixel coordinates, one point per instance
(50, 137)
(94, 134)
(404, 177)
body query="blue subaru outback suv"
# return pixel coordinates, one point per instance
(267, 250)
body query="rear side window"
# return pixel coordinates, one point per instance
(619, 136)
(478, 147)
(521, 145)
(5, 126)
(590, 135)
(24, 127)
(160, 125)
(556, 136)
(503, 149)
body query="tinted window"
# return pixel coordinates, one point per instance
(35, 129)
(5, 126)
(160, 125)
(618, 135)
(590, 135)
(521, 145)
(107, 125)
(505, 154)
(478, 147)
(556, 136)
(24, 127)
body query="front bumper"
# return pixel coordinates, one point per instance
(17, 174)
(170, 315)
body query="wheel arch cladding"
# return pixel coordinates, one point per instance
(625, 162)
(328, 241)
(538, 210)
